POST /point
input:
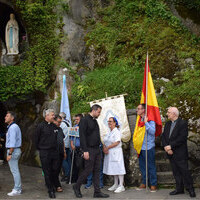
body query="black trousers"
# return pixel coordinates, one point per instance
(59, 166)
(181, 174)
(91, 165)
(50, 164)
(78, 164)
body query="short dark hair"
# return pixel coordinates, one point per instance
(143, 105)
(95, 107)
(79, 115)
(57, 117)
(13, 114)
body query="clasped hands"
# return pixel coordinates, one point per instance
(105, 149)
(168, 149)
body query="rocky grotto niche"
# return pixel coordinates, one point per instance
(5, 10)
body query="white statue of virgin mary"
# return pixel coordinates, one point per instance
(12, 36)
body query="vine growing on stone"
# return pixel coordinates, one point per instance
(34, 73)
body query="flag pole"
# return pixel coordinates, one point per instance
(72, 164)
(147, 64)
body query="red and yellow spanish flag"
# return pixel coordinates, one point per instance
(153, 112)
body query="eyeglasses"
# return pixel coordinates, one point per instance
(110, 121)
(140, 109)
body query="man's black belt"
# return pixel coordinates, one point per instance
(13, 148)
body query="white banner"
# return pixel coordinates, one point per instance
(113, 107)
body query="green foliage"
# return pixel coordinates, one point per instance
(184, 93)
(117, 78)
(34, 73)
(65, 6)
(125, 31)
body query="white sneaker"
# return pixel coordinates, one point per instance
(114, 187)
(14, 193)
(119, 189)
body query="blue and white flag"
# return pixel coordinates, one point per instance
(64, 107)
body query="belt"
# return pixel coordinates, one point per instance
(13, 148)
(94, 147)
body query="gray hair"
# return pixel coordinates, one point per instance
(174, 110)
(46, 112)
(13, 114)
(63, 115)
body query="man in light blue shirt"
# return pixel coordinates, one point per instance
(13, 144)
(150, 127)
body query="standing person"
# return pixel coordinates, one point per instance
(113, 159)
(89, 178)
(13, 144)
(46, 143)
(75, 146)
(61, 151)
(90, 141)
(174, 140)
(150, 131)
(67, 161)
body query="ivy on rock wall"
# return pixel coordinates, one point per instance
(124, 31)
(34, 73)
(116, 78)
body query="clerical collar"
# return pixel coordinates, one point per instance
(47, 122)
(91, 116)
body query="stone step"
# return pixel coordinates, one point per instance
(161, 155)
(163, 166)
(165, 178)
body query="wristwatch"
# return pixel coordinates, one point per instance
(9, 154)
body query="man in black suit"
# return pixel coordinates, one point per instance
(174, 140)
(90, 144)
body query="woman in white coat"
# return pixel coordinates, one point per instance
(113, 159)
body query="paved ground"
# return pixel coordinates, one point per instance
(33, 188)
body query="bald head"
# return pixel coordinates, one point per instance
(172, 113)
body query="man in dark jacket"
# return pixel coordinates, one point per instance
(174, 140)
(90, 142)
(46, 143)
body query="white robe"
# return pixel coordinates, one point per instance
(13, 38)
(114, 160)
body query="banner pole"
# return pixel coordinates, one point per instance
(147, 64)
(71, 171)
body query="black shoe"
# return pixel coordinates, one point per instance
(175, 192)
(77, 192)
(192, 193)
(64, 179)
(52, 195)
(100, 195)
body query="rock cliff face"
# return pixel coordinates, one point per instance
(189, 17)
(72, 51)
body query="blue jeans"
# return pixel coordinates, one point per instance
(14, 168)
(152, 177)
(67, 163)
